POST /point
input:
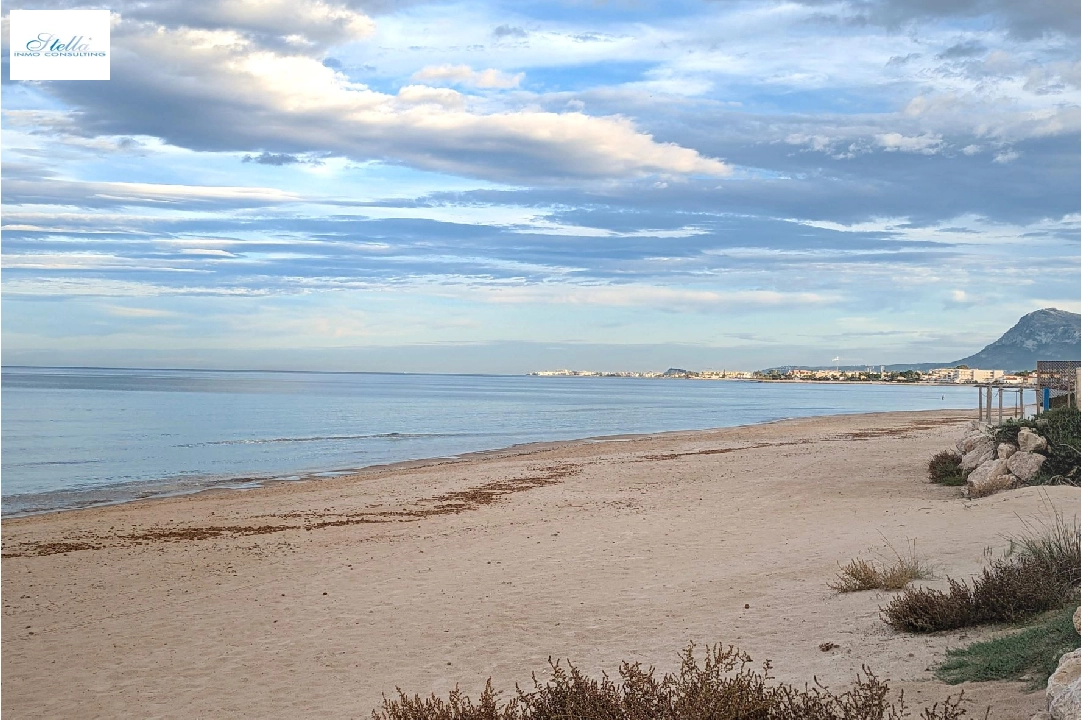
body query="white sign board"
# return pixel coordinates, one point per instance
(59, 44)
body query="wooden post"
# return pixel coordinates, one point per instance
(980, 404)
(1000, 405)
(988, 404)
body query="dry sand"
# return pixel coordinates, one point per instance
(313, 599)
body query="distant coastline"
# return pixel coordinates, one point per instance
(951, 377)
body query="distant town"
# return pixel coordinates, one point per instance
(939, 376)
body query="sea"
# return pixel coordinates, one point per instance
(78, 437)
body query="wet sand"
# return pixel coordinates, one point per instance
(316, 598)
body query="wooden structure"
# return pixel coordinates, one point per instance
(1017, 406)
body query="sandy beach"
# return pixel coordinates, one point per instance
(314, 599)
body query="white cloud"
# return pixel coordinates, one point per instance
(926, 144)
(244, 97)
(424, 95)
(303, 24)
(64, 192)
(137, 312)
(465, 75)
(643, 295)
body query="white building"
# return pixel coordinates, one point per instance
(964, 375)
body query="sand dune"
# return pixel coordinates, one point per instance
(313, 599)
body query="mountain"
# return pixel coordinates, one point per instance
(1047, 334)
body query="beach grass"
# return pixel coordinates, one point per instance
(1029, 654)
(860, 574)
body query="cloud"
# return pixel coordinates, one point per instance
(217, 90)
(644, 295)
(965, 49)
(55, 191)
(1023, 20)
(464, 75)
(927, 144)
(272, 159)
(311, 23)
(137, 312)
(508, 31)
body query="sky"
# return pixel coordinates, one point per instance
(504, 187)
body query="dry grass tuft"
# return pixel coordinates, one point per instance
(895, 574)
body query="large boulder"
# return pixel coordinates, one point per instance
(1005, 450)
(990, 477)
(991, 485)
(1030, 441)
(1077, 613)
(1025, 465)
(967, 442)
(1064, 688)
(981, 451)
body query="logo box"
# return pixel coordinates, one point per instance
(59, 44)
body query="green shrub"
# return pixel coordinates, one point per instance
(945, 468)
(1062, 428)
(1032, 653)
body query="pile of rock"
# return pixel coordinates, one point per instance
(993, 467)
(1065, 686)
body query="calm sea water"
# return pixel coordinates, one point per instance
(77, 437)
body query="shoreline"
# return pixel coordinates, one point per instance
(315, 599)
(145, 491)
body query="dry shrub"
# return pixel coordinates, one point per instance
(856, 576)
(862, 574)
(1041, 576)
(722, 687)
(945, 468)
(925, 610)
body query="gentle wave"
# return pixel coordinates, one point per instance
(46, 463)
(321, 438)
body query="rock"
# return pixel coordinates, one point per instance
(970, 441)
(988, 468)
(982, 451)
(1005, 450)
(1063, 688)
(1025, 465)
(990, 485)
(989, 477)
(1077, 611)
(1042, 715)
(974, 425)
(1029, 441)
